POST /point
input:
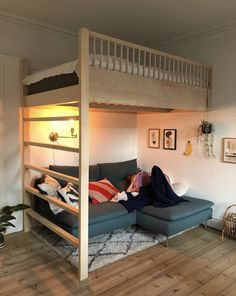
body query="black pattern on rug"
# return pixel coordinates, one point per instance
(105, 248)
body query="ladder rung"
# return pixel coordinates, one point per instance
(61, 176)
(59, 118)
(52, 146)
(52, 199)
(56, 229)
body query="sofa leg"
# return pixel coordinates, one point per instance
(167, 241)
(205, 224)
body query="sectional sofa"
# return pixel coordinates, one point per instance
(108, 215)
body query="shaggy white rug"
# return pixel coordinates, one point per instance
(105, 248)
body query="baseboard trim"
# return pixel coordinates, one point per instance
(215, 223)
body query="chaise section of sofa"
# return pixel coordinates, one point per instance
(171, 220)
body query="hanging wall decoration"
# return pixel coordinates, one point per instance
(229, 150)
(169, 139)
(188, 149)
(206, 131)
(154, 138)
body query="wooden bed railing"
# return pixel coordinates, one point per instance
(118, 55)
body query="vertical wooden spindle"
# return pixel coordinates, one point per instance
(155, 66)
(159, 67)
(164, 68)
(173, 75)
(127, 60)
(114, 56)
(94, 50)
(144, 62)
(149, 64)
(108, 53)
(133, 60)
(101, 52)
(168, 72)
(139, 62)
(121, 57)
(186, 73)
(197, 76)
(178, 79)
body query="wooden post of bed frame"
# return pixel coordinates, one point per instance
(84, 151)
(25, 174)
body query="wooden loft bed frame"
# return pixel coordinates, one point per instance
(170, 82)
(125, 74)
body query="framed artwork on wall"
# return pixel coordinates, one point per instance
(229, 150)
(154, 138)
(169, 139)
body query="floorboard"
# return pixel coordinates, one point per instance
(196, 263)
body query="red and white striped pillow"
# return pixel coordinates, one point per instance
(101, 191)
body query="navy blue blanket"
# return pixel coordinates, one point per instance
(158, 193)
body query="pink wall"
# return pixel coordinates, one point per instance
(210, 178)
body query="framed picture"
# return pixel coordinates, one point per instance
(154, 138)
(169, 139)
(229, 150)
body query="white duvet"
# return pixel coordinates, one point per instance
(111, 64)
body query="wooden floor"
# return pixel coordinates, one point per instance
(196, 263)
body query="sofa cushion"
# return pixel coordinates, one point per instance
(74, 170)
(106, 211)
(116, 172)
(97, 212)
(101, 191)
(177, 212)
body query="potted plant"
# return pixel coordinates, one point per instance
(5, 218)
(206, 127)
(206, 135)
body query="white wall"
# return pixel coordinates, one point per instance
(112, 137)
(41, 45)
(210, 178)
(10, 171)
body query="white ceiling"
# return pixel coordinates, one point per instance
(146, 22)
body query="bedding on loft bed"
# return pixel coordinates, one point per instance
(67, 74)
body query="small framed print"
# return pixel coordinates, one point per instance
(229, 150)
(169, 139)
(154, 138)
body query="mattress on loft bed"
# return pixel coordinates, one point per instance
(67, 74)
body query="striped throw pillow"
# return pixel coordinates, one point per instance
(101, 191)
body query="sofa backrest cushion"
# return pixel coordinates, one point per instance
(117, 172)
(74, 170)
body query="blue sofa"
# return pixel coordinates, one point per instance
(108, 215)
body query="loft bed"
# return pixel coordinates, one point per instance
(109, 74)
(125, 74)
